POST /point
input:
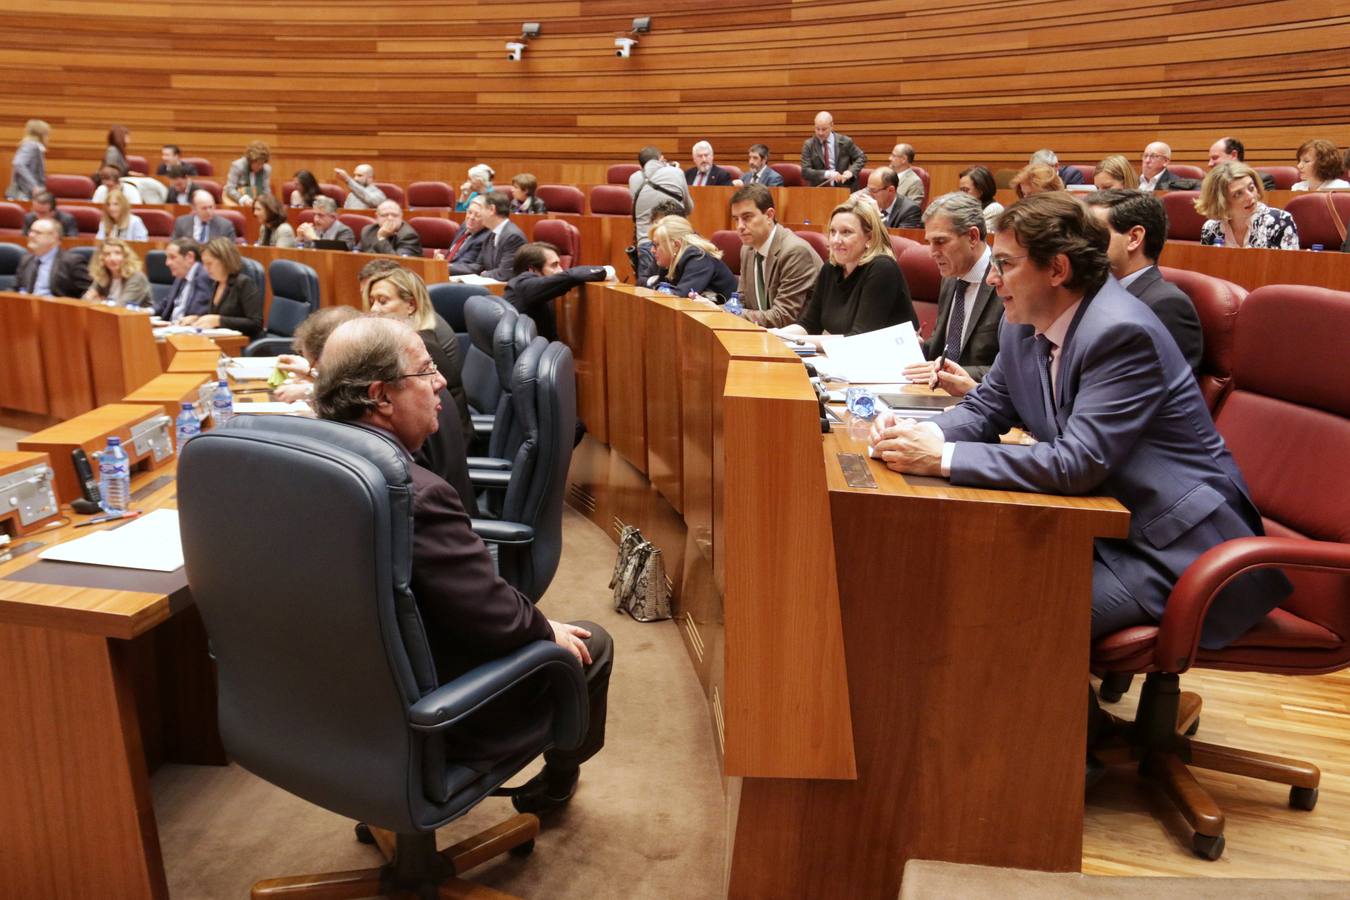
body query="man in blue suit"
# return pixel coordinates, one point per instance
(1095, 377)
(192, 288)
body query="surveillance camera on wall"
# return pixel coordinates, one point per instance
(625, 45)
(514, 49)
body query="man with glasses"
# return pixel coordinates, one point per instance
(377, 373)
(897, 210)
(390, 234)
(1153, 172)
(1097, 380)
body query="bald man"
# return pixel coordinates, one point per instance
(1153, 172)
(203, 223)
(362, 193)
(908, 182)
(831, 159)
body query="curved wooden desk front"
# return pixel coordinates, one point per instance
(891, 672)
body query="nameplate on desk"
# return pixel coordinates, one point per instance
(857, 474)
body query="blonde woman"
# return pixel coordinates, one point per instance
(1321, 166)
(1036, 178)
(119, 221)
(116, 275)
(1231, 196)
(860, 287)
(1115, 172)
(30, 162)
(479, 184)
(689, 262)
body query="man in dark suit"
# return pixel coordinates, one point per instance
(389, 233)
(43, 206)
(180, 187)
(1092, 375)
(377, 373)
(1138, 226)
(1153, 172)
(202, 223)
(540, 279)
(46, 270)
(325, 226)
(703, 172)
(897, 210)
(171, 155)
(498, 258)
(1230, 149)
(192, 288)
(965, 335)
(467, 246)
(757, 169)
(830, 159)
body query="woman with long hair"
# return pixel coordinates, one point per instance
(116, 274)
(691, 262)
(28, 172)
(118, 219)
(273, 229)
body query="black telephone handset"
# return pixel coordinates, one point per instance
(91, 502)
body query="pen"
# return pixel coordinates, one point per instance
(113, 517)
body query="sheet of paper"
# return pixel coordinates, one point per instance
(874, 356)
(252, 368)
(270, 408)
(149, 542)
(474, 279)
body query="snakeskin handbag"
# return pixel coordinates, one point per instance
(639, 579)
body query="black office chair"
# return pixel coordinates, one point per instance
(10, 254)
(295, 294)
(326, 684)
(513, 335)
(482, 385)
(448, 300)
(157, 271)
(254, 269)
(85, 253)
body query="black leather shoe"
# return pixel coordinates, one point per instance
(540, 795)
(1094, 773)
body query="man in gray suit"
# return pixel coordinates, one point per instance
(1138, 226)
(202, 223)
(909, 183)
(965, 335)
(498, 258)
(1092, 374)
(325, 226)
(757, 169)
(831, 159)
(778, 269)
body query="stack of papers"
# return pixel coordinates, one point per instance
(269, 408)
(876, 356)
(166, 330)
(149, 542)
(252, 368)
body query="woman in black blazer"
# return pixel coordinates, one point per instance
(237, 302)
(692, 264)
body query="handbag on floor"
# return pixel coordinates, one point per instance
(639, 579)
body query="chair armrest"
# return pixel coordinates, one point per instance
(494, 463)
(488, 478)
(268, 346)
(452, 703)
(495, 531)
(1195, 590)
(482, 425)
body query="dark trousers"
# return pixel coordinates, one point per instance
(601, 646)
(1113, 606)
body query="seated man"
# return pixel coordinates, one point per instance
(43, 206)
(171, 155)
(1067, 174)
(897, 210)
(908, 182)
(757, 169)
(193, 288)
(377, 373)
(203, 223)
(497, 260)
(46, 270)
(778, 269)
(965, 335)
(362, 192)
(468, 243)
(1138, 226)
(831, 159)
(540, 279)
(703, 172)
(181, 187)
(1153, 172)
(390, 234)
(325, 226)
(1230, 149)
(1092, 374)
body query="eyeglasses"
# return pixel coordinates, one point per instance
(428, 372)
(998, 262)
(1155, 156)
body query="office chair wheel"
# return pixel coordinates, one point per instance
(1207, 847)
(1195, 726)
(1114, 686)
(1302, 798)
(523, 850)
(363, 833)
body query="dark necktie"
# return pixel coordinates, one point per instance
(490, 252)
(1043, 350)
(201, 232)
(829, 158)
(761, 293)
(956, 322)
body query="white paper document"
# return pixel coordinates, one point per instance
(166, 330)
(271, 408)
(876, 356)
(149, 542)
(475, 279)
(252, 368)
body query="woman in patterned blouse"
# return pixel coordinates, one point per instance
(1231, 198)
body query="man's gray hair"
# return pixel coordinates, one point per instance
(1044, 158)
(356, 355)
(325, 203)
(962, 210)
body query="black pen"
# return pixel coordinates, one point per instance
(129, 514)
(941, 360)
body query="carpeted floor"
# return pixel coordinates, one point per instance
(647, 821)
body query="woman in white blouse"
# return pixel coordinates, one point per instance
(1321, 165)
(119, 221)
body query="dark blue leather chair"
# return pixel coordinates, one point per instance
(448, 300)
(349, 717)
(482, 385)
(157, 271)
(10, 254)
(254, 269)
(295, 294)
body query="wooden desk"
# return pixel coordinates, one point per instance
(101, 684)
(873, 696)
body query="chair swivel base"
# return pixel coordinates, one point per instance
(415, 868)
(1159, 741)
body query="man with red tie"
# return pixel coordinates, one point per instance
(468, 243)
(703, 172)
(831, 159)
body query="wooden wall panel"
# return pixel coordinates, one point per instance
(422, 88)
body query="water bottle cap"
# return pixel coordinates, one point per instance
(224, 383)
(187, 406)
(114, 441)
(1317, 247)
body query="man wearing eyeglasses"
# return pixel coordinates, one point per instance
(897, 210)
(1096, 378)
(377, 373)
(1153, 172)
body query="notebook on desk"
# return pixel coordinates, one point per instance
(326, 244)
(932, 403)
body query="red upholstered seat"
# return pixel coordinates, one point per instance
(735, 171)
(303, 216)
(1318, 220)
(927, 185)
(158, 222)
(138, 165)
(356, 222)
(900, 243)
(87, 217)
(791, 172)
(392, 192)
(1181, 170)
(436, 234)
(817, 242)
(339, 194)
(924, 279)
(214, 187)
(1285, 176)
(202, 164)
(729, 242)
(11, 217)
(237, 219)
(562, 198)
(1086, 171)
(864, 174)
(71, 187)
(1216, 301)
(563, 235)
(428, 194)
(1183, 222)
(611, 200)
(620, 173)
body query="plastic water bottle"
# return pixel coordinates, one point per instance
(222, 404)
(1218, 239)
(114, 476)
(733, 304)
(666, 287)
(222, 367)
(187, 425)
(1316, 247)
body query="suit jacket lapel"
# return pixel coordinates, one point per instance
(1140, 285)
(983, 295)
(1069, 352)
